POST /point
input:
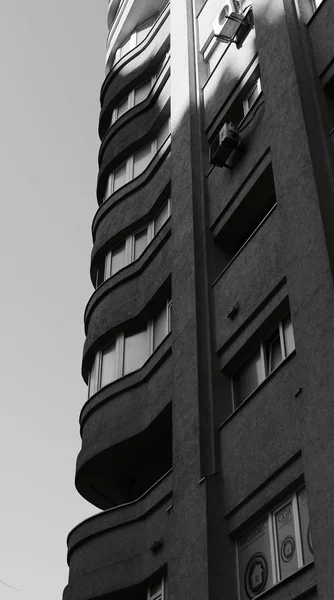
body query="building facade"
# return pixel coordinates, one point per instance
(207, 437)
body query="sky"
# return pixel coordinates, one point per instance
(52, 67)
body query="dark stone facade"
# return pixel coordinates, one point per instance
(179, 471)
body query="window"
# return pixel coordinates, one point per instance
(119, 179)
(156, 591)
(136, 163)
(162, 217)
(275, 547)
(252, 96)
(213, 54)
(316, 3)
(134, 40)
(266, 358)
(132, 247)
(129, 351)
(142, 159)
(135, 350)
(138, 94)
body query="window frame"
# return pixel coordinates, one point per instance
(133, 39)
(129, 164)
(119, 342)
(265, 372)
(129, 241)
(256, 86)
(270, 516)
(131, 99)
(160, 595)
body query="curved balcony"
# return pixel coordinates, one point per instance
(130, 271)
(129, 304)
(132, 119)
(134, 202)
(112, 551)
(127, 434)
(143, 57)
(135, 131)
(154, 179)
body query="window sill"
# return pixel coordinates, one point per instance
(254, 392)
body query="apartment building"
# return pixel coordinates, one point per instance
(207, 434)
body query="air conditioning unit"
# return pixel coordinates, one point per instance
(231, 23)
(224, 144)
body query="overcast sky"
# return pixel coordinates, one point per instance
(52, 68)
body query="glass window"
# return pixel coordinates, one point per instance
(163, 134)
(139, 243)
(142, 91)
(135, 351)
(118, 258)
(247, 379)
(100, 275)
(126, 47)
(108, 364)
(119, 177)
(123, 107)
(305, 527)
(289, 340)
(255, 568)
(273, 352)
(108, 188)
(162, 64)
(156, 591)
(169, 316)
(264, 361)
(141, 160)
(93, 376)
(159, 328)
(143, 31)
(286, 541)
(272, 549)
(161, 218)
(252, 95)
(215, 57)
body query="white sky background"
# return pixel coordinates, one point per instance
(52, 56)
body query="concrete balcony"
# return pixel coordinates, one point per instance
(261, 435)
(249, 279)
(112, 551)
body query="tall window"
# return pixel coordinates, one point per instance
(129, 351)
(132, 247)
(156, 591)
(274, 548)
(136, 163)
(264, 360)
(252, 96)
(135, 39)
